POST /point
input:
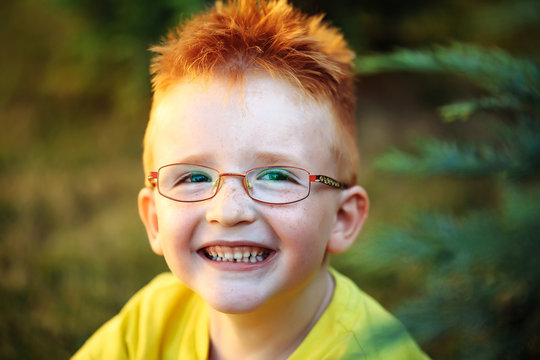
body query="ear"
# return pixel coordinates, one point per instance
(147, 212)
(351, 215)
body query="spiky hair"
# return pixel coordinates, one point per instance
(238, 37)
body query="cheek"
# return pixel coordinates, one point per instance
(176, 224)
(305, 229)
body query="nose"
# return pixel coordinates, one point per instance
(231, 205)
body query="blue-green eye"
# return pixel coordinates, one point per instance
(276, 175)
(273, 176)
(193, 178)
(198, 177)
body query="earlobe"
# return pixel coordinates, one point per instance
(350, 218)
(148, 214)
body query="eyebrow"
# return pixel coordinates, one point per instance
(196, 159)
(259, 159)
(274, 158)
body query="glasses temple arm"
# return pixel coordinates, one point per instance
(152, 178)
(323, 179)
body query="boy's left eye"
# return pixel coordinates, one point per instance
(273, 176)
(276, 175)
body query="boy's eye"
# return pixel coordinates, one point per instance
(273, 176)
(193, 177)
(276, 175)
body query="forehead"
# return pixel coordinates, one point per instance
(262, 120)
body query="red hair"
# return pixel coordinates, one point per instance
(243, 36)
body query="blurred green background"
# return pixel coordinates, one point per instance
(75, 97)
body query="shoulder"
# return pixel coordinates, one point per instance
(156, 300)
(355, 326)
(144, 324)
(164, 288)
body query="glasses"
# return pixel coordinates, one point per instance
(274, 184)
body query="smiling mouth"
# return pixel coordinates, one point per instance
(237, 254)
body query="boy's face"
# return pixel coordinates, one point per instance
(266, 122)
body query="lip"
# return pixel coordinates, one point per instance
(236, 266)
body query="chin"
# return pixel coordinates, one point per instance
(235, 304)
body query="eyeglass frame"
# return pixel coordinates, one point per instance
(153, 179)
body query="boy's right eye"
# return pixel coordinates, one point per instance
(193, 177)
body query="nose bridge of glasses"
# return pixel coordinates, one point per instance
(231, 174)
(247, 184)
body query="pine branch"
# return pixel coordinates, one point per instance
(492, 69)
(480, 272)
(464, 110)
(435, 157)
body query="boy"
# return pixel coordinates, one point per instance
(246, 97)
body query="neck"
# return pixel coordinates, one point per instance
(274, 330)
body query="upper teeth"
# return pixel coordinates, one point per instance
(236, 254)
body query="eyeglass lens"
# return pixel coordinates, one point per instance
(272, 184)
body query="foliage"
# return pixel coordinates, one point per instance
(480, 279)
(75, 96)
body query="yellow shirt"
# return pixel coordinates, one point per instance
(166, 320)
